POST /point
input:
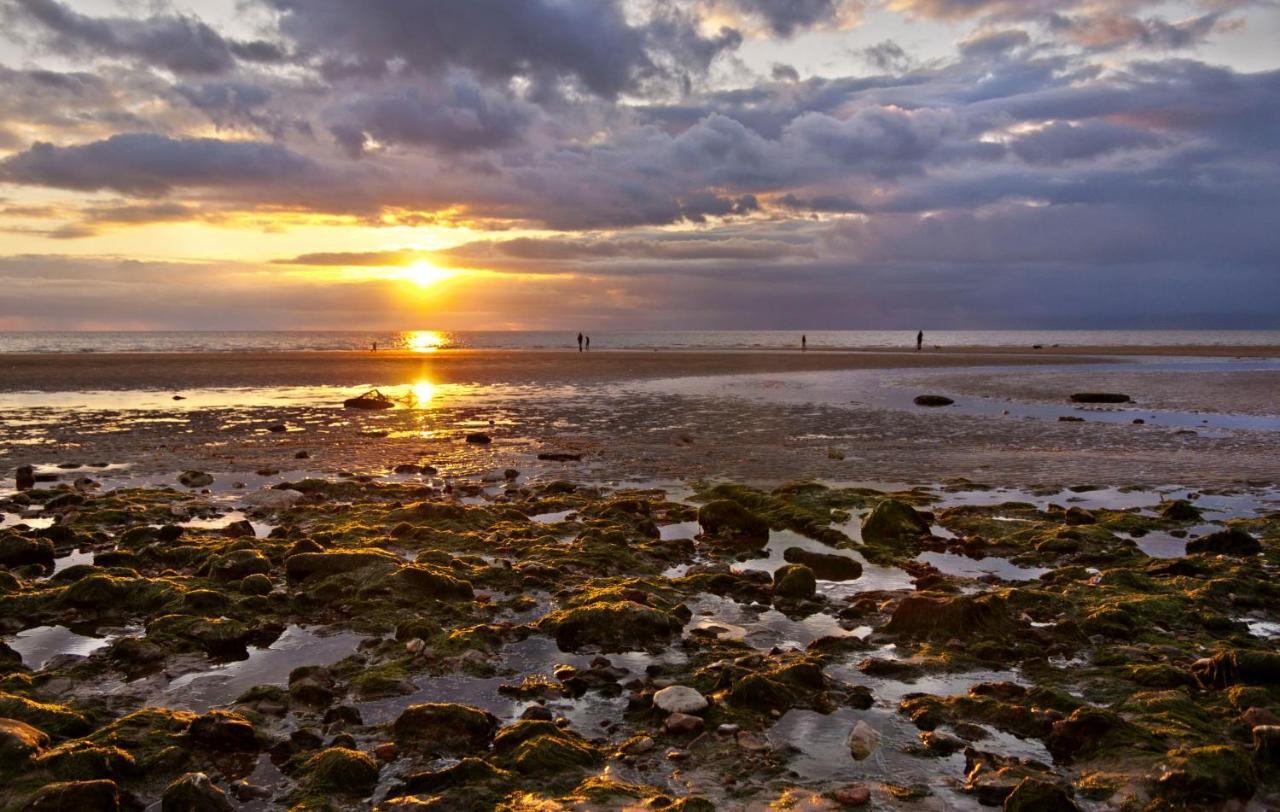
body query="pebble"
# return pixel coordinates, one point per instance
(683, 723)
(679, 699)
(386, 751)
(854, 795)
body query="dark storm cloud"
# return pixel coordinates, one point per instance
(1104, 32)
(593, 44)
(1062, 141)
(784, 18)
(651, 247)
(364, 259)
(178, 43)
(994, 43)
(149, 164)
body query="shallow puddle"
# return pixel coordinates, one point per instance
(965, 567)
(41, 644)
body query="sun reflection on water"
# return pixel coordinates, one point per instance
(421, 393)
(425, 340)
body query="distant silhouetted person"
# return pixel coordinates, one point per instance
(919, 340)
(588, 343)
(579, 342)
(804, 343)
(375, 346)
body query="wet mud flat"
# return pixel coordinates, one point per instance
(418, 640)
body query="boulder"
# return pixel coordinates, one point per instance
(1215, 774)
(825, 566)
(863, 740)
(726, 520)
(1039, 795)
(343, 771)
(25, 477)
(443, 727)
(307, 565)
(195, 479)
(619, 625)
(960, 616)
(19, 743)
(82, 796)
(274, 498)
(1180, 510)
(238, 564)
(892, 522)
(1100, 397)
(679, 699)
(19, 551)
(433, 582)
(1231, 541)
(932, 400)
(194, 792)
(224, 732)
(794, 582)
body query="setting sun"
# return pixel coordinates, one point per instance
(425, 340)
(424, 274)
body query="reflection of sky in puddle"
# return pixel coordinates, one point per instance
(297, 646)
(1259, 627)
(38, 645)
(34, 522)
(965, 567)
(765, 627)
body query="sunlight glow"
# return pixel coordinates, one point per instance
(425, 275)
(425, 340)
(421, 393)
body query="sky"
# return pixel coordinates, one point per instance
(634, 164)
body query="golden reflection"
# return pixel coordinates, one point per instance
(421, 393)
(425, 340)
(424, 274)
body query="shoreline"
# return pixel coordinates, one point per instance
(112, 371)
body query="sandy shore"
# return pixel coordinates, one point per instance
(92, 371)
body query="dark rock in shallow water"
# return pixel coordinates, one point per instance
(1207, 775)
(1100, 397)
(1039, 795)
(962, 616)
(794, 582)
(25, 476)
(306, 565)
(1232, 541)
(343, 771)
(559, 456)
(726, 520)
(224, 732)
(372, 400)
(1238, 667)
(613, 626)
(19, 743)
(19, 551)
(893, 522)
(1180, 510)
(479, 438)
(82, 796)
(445, 728)
(932, 400)
(195, 479)
(194, 792)
(826, 566)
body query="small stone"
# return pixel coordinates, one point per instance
(195, 479)
(853, 795)
(302, 455)
(479, 438)
(26, 477)
(679, 699)
(863, 740)
(277, 428)
(728, 729)
(677, 755)
(194, 792)
(387, 751)
(683, 724)
(752, 742)
(638, 746)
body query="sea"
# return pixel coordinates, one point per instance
(433, 340)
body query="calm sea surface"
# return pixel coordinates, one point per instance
(281, 341)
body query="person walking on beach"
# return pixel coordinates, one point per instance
(919, 340)
(579, 342)
(804, 343)
(588, 343)
(375, 346)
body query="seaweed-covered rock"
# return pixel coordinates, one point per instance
(58, 720)
(195, 479)
(612, 625)
(825, 566)
(238, 564)
(80, 760)
(726, 520)
(19, 743)
(1039, 795)
(1087, 731)
(1180, 510)
(794, 582)
(963, 616)
(1211, 774)
(435, 583)
(445, 727)
(1231, 541)
(341, 770)
(194, 792)
(1238, 667)
(19, 551)
(82, 796)
(223, 731)
(306, 565)
(891, 523)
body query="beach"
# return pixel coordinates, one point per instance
(702, 579)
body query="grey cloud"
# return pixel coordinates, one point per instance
(150, 164)
(887, 56)
(784, 73)
(994, 43)
(1104, 32)
(1063, 141)
(784, 18)
(178, 43)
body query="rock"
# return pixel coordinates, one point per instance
(559, 456)
(893, 522)
(224, 732)
(25, 476)
(683, 724)
(853, 795)
(1084, 732)
(794, 582)
(81, 796)
(726, 520)
(1214, 774)
(273, 498)
(19, 551)
(302, 455)
(1180, 510)
(1266, 744)
(64, 500)
(194, 792)
(1231, 541)
(1039, 795)
(1238, 667)
(19, 743)
(825, 566)
(277, 428)
(1070, 418)
(1077, 516)
(1100, 397)
(312, 685)
(445, 727)
(239, 564)
(433, 582)
(962, 616)
(863, 740)
(195, 479)
(932, 400)
(342, 770)
(387, 751)
(240, 529)
(613, 626)
(479, 438)
(638, 746)
(679, 699)
(307, 565)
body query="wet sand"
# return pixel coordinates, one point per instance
(94, 371)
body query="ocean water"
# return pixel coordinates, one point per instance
(431, 340)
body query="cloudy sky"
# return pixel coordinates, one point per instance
(491, 164)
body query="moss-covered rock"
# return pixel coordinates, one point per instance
(794, 582)
(963, 616)
(1231, 541)
(612, 625)
(435, 583)
(445, 727)
(20, 551)
(79, 760)
(194, 792)
(1211, 774)
(728, 522)
(893, 525)
(19, 744)
(82, 796)
(825, 566)
(309, 565)
(342, 771)
(238, 564)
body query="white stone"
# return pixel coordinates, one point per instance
(273, 499)
(679, 699)
(863, 740)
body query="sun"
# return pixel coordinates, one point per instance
(424, 274)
